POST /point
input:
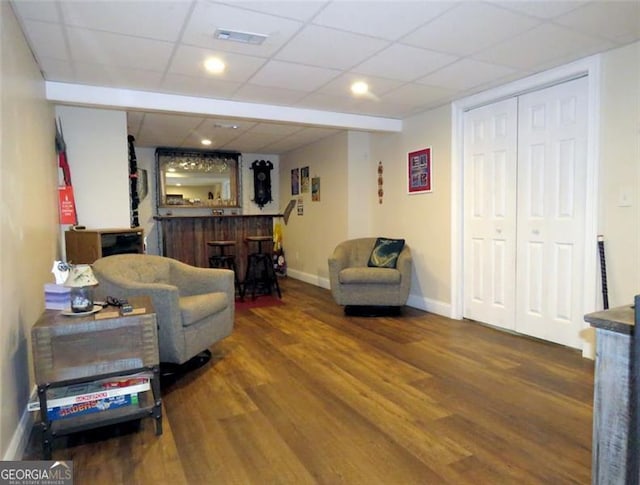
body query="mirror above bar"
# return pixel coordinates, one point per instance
(198, 178)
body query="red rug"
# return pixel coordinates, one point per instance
(259, 302)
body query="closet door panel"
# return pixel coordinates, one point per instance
(551, 198)
(489, 213)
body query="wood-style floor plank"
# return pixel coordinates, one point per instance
(302, 394)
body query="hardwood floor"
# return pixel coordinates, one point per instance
(302, 394)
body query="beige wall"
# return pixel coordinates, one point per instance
(28, 239)
(619, 220)
(310, 238)
(424, 219)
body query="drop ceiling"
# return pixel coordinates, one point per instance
(415, 55)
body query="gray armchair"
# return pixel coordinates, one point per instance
(353, 283)
(195, 307)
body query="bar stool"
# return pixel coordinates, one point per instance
(222, 260)
(260, 268)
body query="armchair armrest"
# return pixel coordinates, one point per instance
(192, 280)
(339, 259)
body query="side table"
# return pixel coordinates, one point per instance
(615, 457)
(70, 350)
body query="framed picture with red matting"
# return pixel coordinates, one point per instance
(419, 171)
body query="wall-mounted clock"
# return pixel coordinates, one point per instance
(262, 182)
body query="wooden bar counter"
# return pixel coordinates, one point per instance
(185, 237)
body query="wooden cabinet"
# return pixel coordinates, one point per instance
(85, 246)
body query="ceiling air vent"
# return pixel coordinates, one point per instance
(237, 36)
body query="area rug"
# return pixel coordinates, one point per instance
(260, 302)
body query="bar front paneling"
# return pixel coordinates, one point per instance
(185, 237)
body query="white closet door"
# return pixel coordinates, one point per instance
(490, 143)
(551, 202)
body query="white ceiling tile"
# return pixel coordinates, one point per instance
(116, 76)
(223, 126)
(206, 18)
(277, 129)
(466, 74)
(57, 70)
(324, 47)
(134, 121)
(189, 61)
(468, 28)
(616, 21)
(540, 9)
(328, 102)
(289, 9)
(46, 11)
(284, 145)
(130, 17)
(404, 63)
(341, 86)
(251, 142)
(218, 140)
(389, 109)
(118, 50)
(170, 128)
(540, 46)
(47, 40)
(293, 76)
(417, 94)
(198, 86)
(387, 20)
(253, 93)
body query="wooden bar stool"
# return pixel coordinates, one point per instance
(260, 271)
(226, 261)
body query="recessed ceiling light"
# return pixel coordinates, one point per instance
(359, 88)
(206, 142)
(214, 65)
(239, 36)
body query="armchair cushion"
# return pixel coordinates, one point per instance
(381, 276)
(195, 308)
(385, 252)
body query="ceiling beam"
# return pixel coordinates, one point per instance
(128, 99)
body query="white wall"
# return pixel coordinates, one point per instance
(424, 219)
(309, 239)
(620, 171)
(362, 185)
(98, 157)
(29, 221)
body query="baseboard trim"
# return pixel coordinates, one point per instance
(429, 305)
(414, 301)
(312, 279)
(20, 438)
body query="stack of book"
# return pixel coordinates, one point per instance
(92, 397)
(56, 297)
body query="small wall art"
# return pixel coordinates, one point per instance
(295, 181)
(419, 171)
(315, 189)
(304, 180)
